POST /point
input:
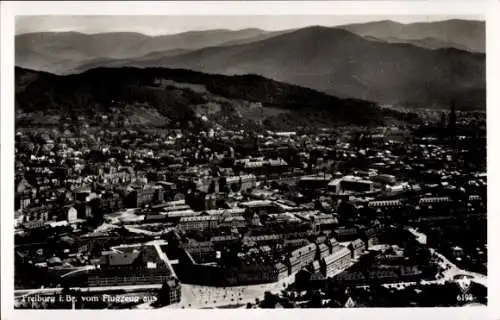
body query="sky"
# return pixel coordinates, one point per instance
(158, 25)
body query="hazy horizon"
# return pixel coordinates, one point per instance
(164, 25)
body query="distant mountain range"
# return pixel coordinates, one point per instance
(46, 50)
(159, 96)
(413, 65)
(466, 35)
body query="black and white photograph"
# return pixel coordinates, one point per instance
(249, 162)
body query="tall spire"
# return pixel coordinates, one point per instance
(452, 119)
(443, 120)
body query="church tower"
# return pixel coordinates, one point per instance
(452, 120)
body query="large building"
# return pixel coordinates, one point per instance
(259, 206)
(324, 222)
(262, 239)
(201, 251)
(385, 179)
(301, 257)
(247, 274)
(198, 223)
(224, 240)
(351, 184)
(385, 204)
(133, 266)
(434, 201)
(346, 234)
(314, 182)
(140, 197)
(239, 183)
(110, 202)
(337, 261)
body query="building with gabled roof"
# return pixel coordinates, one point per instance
(335, 262)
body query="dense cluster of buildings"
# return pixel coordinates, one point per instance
(236, 207)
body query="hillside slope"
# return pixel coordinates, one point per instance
(164, 97)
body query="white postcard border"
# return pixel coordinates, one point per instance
(492, 11)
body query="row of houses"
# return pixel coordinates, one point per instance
(421, 201)
(38, 217)
(205, 222)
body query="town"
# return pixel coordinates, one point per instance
(338, 217)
